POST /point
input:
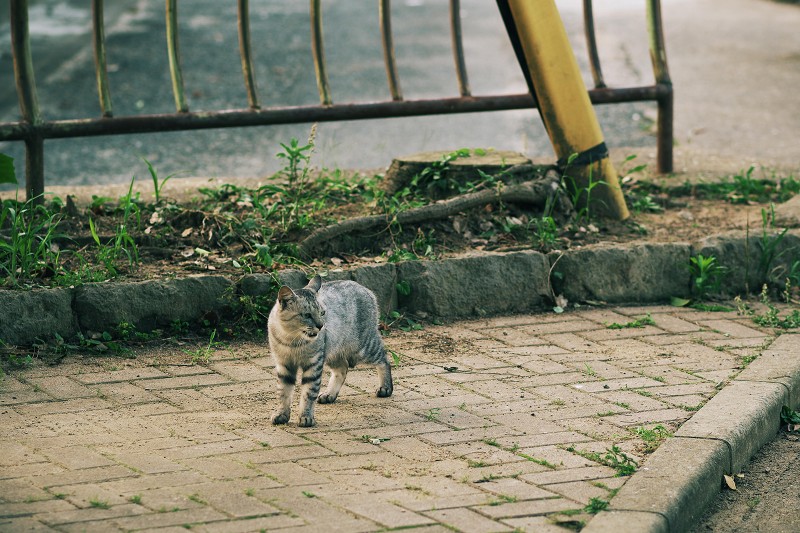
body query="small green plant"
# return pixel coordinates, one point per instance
(647, 320)
(403, 288)
(503, 498)
(30, 251)
(249, 492)
(136, 498)
(773, 319)
(434, 180)
(652, 437)
(706, 274)
(98, 503)
(543, 462)
(614, 458)
(645, 204)
(789, 416)
(596, 505)
(196, 498)
(769, 243)
(545, 232)
(309, 494)
(158, 185)
(433, 413)
(204, 353)
(296, 193)
(122, 244)
(581, 196)
(402, 322)
(369, 439)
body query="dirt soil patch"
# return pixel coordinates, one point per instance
(234, 228)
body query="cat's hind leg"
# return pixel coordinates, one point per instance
(338, 375)
(286, 381)
(385, 378)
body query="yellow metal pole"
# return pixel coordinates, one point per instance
(538, 33)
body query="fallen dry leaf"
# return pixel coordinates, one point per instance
(729, 481)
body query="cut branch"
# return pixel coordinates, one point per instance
(535, 192)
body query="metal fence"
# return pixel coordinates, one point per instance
(34, 129)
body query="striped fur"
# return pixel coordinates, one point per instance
(333, 324)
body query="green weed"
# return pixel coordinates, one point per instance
(769, 243)
(596, 505)
(651, 437)
(638, 323)
(204, 353)
(433, 413)
(581, 197)
(99, 504)
(402, 322)
(614, 457)
(158, 185)
(706, 274)
(29, 251)
(789, 416)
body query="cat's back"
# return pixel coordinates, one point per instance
(347, 301)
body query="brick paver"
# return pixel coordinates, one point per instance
(495, 425)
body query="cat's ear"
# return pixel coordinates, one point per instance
(285, 295)
(314, 284)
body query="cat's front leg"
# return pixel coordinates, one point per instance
(311, 382)
(286, 380)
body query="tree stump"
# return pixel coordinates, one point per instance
(460, 169)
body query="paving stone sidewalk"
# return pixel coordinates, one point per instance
(495, 425)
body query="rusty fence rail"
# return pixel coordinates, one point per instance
(33, 129)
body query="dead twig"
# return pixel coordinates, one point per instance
(535, 192)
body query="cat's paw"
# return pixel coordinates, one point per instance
(326, 398)
(280, 418)
(384, 392)
(306, 421)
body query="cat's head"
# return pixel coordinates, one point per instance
(300, 310)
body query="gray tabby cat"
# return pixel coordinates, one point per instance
(336, 325)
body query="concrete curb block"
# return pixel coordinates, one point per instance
(683, 476)
(473, 285)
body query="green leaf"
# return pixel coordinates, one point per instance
(7, 172)
(94, 232)
(679, 302)
(403, 288)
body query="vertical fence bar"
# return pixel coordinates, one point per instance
(100, 69)
(245, 51)
(658, 56)
(458, 47)
(591, 45)
(385, 16)
(28, 99)
(318, 52)
(173, 52)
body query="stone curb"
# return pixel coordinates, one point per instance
(684, 475)
(468, 286)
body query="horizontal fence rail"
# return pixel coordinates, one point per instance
(33, 129)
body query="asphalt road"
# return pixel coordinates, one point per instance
(140, 83)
